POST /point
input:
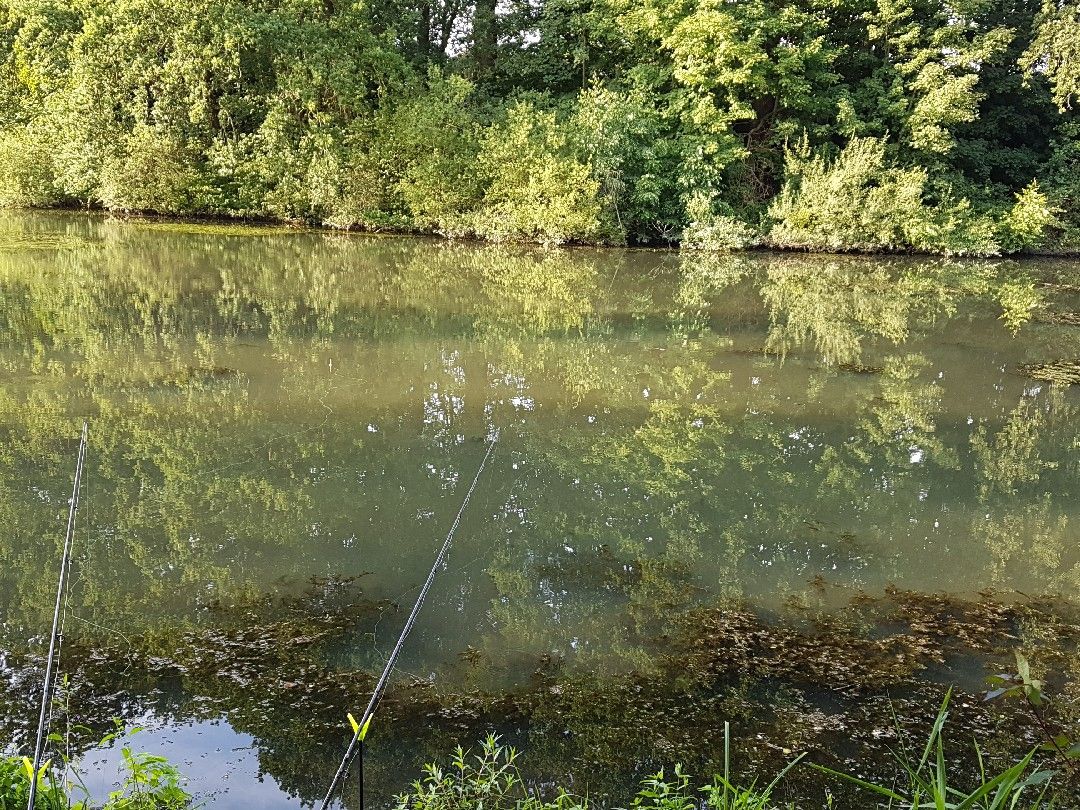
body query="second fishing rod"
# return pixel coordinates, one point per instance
(360, 727)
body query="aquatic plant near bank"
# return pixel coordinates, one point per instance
(1022, 685)
(490, 779)
(928, 779)
(150, 782)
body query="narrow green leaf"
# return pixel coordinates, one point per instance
(883, 791)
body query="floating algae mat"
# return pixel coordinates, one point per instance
(761, 488)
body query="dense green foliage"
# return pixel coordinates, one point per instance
(852, 124)
(149, 783)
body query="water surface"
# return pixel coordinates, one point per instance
(283, 419)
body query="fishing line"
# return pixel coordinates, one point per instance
(65, 567)
(380, 686)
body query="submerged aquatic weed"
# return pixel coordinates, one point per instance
(800, 682)
(1029, 689)
(928, 779)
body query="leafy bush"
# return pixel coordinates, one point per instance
(1063, 187)
(1026, 224)
(430, 142)
(15, 787)
(634, 155)
(536, 188)
(149, 782)
(853, 202)
(27, 173)
(708, 230)
(860, 202)
(152, 172)
(491, 780)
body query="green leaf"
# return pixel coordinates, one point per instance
(1022, 667)
(883, 791)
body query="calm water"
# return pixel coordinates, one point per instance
(274, 412)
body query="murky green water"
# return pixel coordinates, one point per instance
(272, 412)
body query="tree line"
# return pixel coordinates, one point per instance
(816, 124)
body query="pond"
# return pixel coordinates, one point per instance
(283, 425)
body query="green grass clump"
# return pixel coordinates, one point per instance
(924, 781)
(490, 780)
(150, 783)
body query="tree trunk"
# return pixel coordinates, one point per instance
(423, 34)
(485, 38)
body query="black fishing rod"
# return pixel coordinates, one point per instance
(54, 637)
(360, 728)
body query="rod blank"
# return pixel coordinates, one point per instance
(61, 585)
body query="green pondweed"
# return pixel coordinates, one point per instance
(928, 779)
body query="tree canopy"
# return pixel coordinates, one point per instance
(940, 127)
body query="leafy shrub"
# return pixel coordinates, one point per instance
(854, 202)
(536, 188)
(634, 156)
(1063, 187)
(1026, 224)
(149, 783)
(15, 787)
(860, 202)
(491, 780)
(151, 172)
(708, 230)
(430, 141)
(27, 173)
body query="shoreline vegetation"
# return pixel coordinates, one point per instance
(862, 125)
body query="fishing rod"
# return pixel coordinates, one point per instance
(360, 728)
(54, 636)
